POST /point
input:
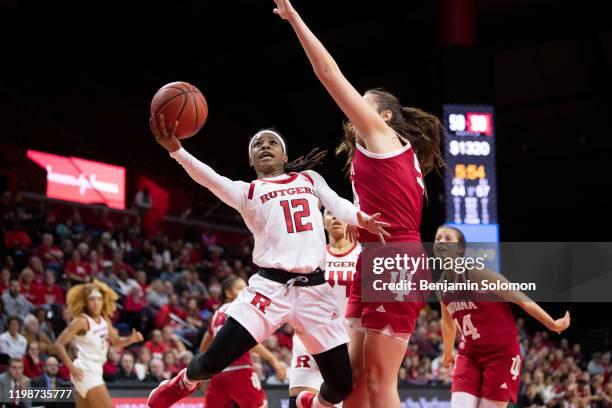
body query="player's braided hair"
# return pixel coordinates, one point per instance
(421, 129)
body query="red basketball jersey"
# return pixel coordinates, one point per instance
(217, 321)
(392, 184)
(482, 325)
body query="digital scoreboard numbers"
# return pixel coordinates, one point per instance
(470, 181)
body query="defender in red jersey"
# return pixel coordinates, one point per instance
(488, 363)
(238, 383)
(391, 148)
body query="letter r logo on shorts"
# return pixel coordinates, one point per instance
(302, 362)
(261, 302)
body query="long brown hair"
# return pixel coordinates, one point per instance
(422, 129)
(77, 296)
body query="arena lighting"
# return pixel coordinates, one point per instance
(81, 180)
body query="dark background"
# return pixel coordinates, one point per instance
(77, 79)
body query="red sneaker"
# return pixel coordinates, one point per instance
(305, 399)
(170, 391)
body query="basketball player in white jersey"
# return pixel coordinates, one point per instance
(282, 210)
(340, 264)
(90, 306)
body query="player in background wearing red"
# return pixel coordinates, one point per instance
(238, 383)
(488, 363)
(282, 210)
(391, 148)
(340, 265)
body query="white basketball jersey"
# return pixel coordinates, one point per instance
(93, 345)
(339, 272)
(284, 215)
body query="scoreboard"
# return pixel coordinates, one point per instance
(470, 181)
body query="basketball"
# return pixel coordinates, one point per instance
(183, 102)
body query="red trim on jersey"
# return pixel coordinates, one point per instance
(292, 176)
(308, 177)
(251, 189)
(341, 254)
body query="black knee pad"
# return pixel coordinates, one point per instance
(335, 368)
(203, 366)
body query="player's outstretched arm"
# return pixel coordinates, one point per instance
(121, 342)
(373, 130)
(521, 299)
(232, 193)
(449, 331)
(344, 210)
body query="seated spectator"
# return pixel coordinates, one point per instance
(214, 298)
(196, 287)
(95, 263)
(12, 343)
(156, 295)
(143, 201)
(119, 264)
(126, 369)
(172, 307)
(45, 325)
(5, 279)
(31, 331)
(3, 318)
(14, 379)
(39, 270)
(143, 360)
(141, 278)
(530, 398)
(51, 293)
(171, 340)
(32, 362)
(78, 269)
(111, 366)
(15, 304)
(595, 366)
(49, 380)
(29, 288)
(171, 362)
(193, 318)
(107, 276)
(156, 344)
(125, 283)
(50, 254)
(157, 373)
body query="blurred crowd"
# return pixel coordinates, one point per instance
(170, 287)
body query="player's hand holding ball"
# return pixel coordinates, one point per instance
(163, 136)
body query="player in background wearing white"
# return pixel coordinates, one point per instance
(340, 263)
(282, 210)
(90, 305)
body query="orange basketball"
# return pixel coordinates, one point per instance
(183, 102)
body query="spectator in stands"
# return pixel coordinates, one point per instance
(531, 398)
(3, 318)
(172, 307)
(111, 366)
(16, 240)
(13, 379)
(94, 264)
(12, 343)
(143, 360)
(37, 266)
(77, 269)
(141, 278)
(126, 369)
(49, 253)
(45, 325)
(214, 297)
(31, 331)
(126, 284)
(32, 361)
(156, 372)
(171, 363)
(195, 285)
(156, 344)
(50, 380)
(595, 366)
(143, 201)
(15, 304)
(51, 293)
(29, 288)
(107, 276)
(156, 294)
(172, 341)
(5, 279)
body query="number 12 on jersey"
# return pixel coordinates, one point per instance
(294, 223)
